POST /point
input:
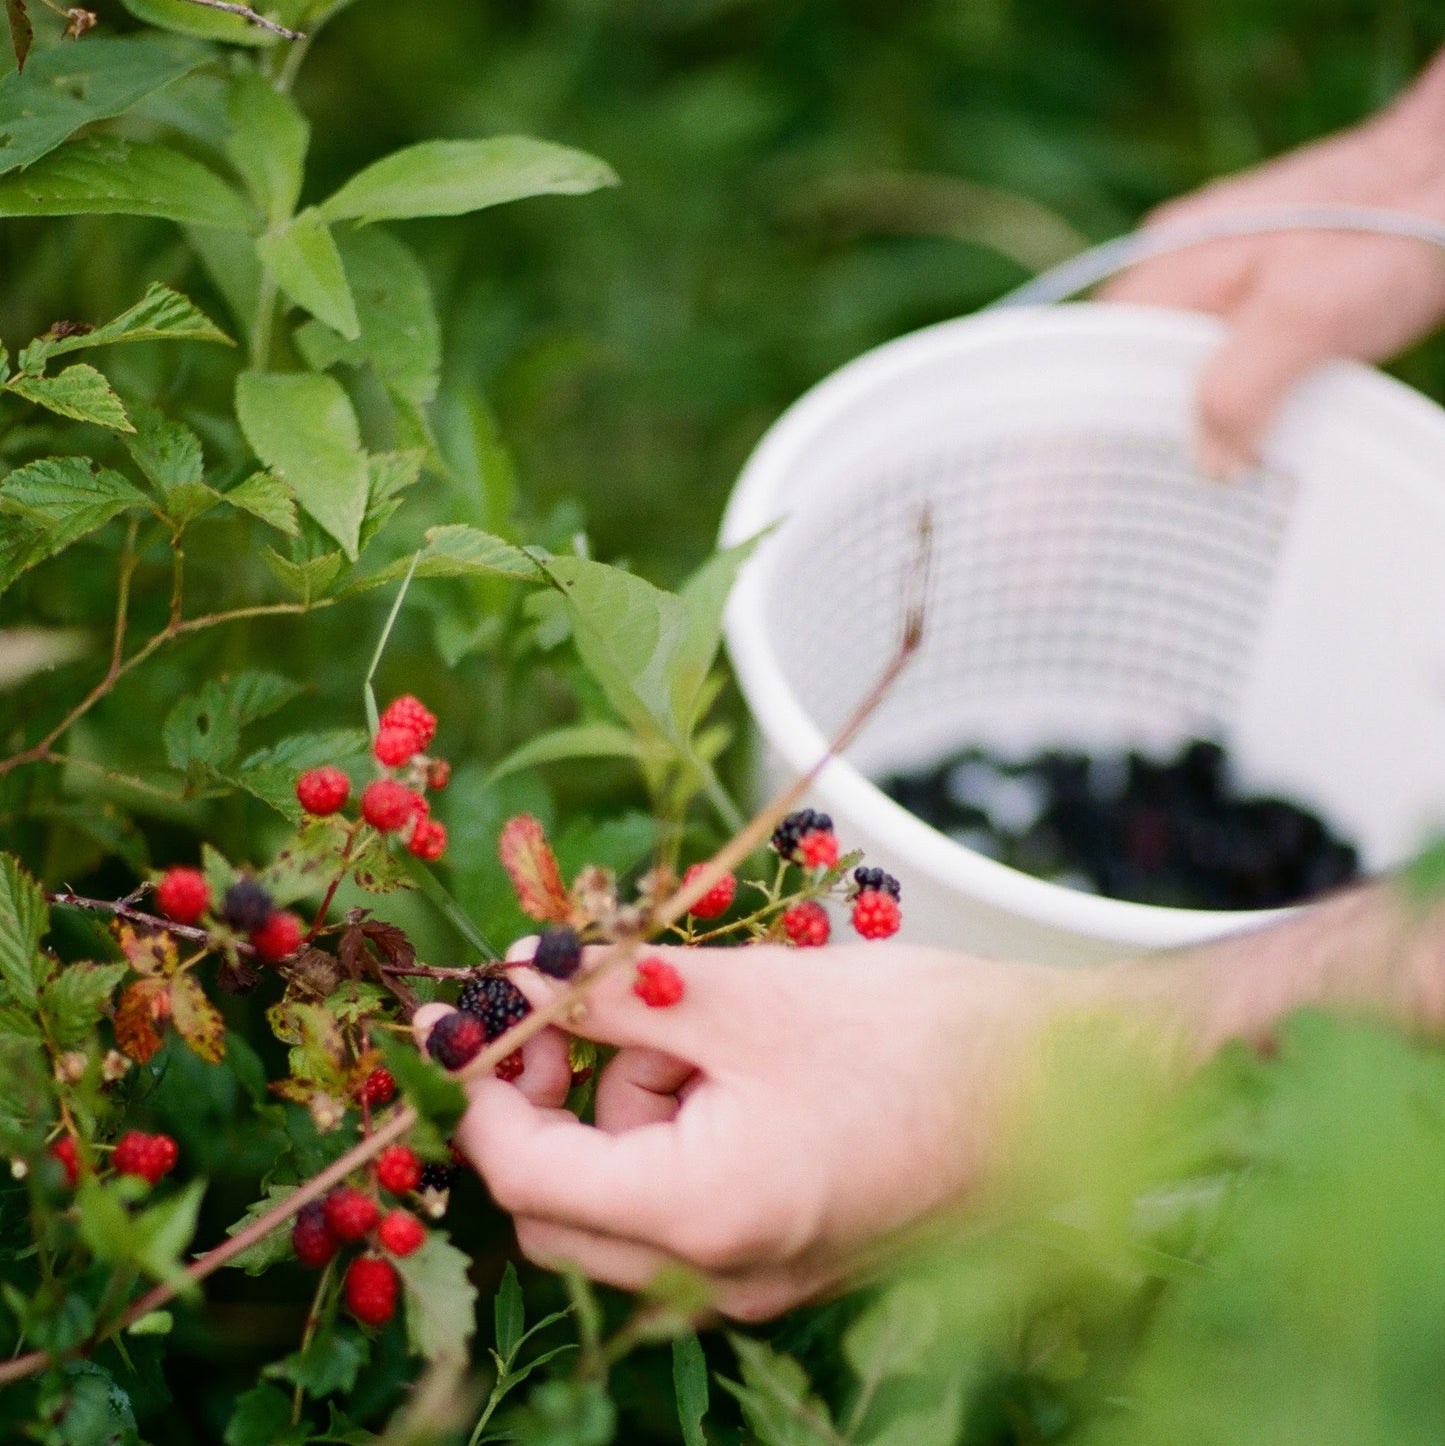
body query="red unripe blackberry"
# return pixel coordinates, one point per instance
(512, 1067)
(409, 712)
(279, 937)
(183, 895)
(311, 1237)
(717, 900)
(395, 745)
(456, 1039)
(559, 951)
(64, 1150)
(806, 924)
(428, 840)
(398, 1169)
(658, 984)
(876, 915)
(379, 1088)
(149, 1156)
(246, 906)
(400, 1232)
(388, 805)
(371, 1289)
(818, 848)
(438, 773)
(350, 1213)
(496, 1001)
(323, 791)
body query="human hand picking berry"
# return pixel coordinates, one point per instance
(1295, 299)
(792, 1107)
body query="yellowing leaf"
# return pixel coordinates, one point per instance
(197, 1020)
(153, 954)
(532, 867)
(140, 1007)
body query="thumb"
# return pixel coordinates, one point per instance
(1269, 347)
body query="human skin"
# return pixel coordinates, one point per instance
(1293, 300)
(800, 1106)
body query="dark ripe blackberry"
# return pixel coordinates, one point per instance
(246, 906)
(496, 1001)
(885, 883)
(437, 1177)
(790, 831)
(559, 952)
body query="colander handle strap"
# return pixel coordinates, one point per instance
(1101, 262)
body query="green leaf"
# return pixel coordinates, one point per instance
(308, 580)
(164, 1232)
(449, 178)
(509, 1313)
(689, 1383)
(262, 1416)
(160, 315)
(704, 596)
(95, 1410)
(266, 496)
(187, 18)
(577, 740)
(267, 143)
(458, 551)
(74, 1001)
(307, 864)
(776, 1399)
(152, 1323)
(168, 453)
(440, 1299)
(565, 1413)
(232, 267)
(79, 392)
(330, 1362)
(400, 336)
(205, 727)
(50, 503)
(151, 1239)
(391, 474)
(73, 85)
(274, 1246)
(23, 921)
(104, 175)
(429, 1089)
(22, 33)
(271, 773)
(303, 428)
(304, 262)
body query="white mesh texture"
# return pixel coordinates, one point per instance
(1075, 572)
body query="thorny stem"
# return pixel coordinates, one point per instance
(335, 883)
(247, 13)
(561, 1006)
(41, 752)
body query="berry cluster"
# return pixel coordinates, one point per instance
(487, 1008)
(352, 1216)
(184, 896)
(147, 1157)
(807, 838)
(395, 802)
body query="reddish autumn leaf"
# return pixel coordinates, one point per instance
(140, 1008)
(22, 34)
(197, 1020)
(532, 867)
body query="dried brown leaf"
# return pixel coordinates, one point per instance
(22, 33)
(148, 953)
(395, 946)
(532, 867)
(140, 1007)
(197, 1020)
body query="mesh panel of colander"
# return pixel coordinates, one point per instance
(1071, 570)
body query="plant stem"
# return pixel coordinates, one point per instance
(335, 883)
(308, 1332)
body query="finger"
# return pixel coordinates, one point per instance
(718, 987)
(546, 1064)
(1272, 342)
(1211, 277)
(640, 1087)
(547, 1164)
(625, 1264)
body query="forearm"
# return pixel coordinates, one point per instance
(1371, 952)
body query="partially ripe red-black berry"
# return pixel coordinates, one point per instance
(559, 951)
(456, 1039)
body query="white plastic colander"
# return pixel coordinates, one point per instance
(1092, 590)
